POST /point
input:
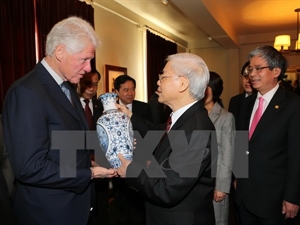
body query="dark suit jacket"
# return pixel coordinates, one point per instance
(142, 109)
(274, 156)
(35, 106)
(159, 111)
(178, 199)
(6, 184)
(235, 105)
(97, 111)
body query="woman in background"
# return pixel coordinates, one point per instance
(225, 129)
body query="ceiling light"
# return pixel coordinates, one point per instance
(165, 2)
(283, 42)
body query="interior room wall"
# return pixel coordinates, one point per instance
(217, 60)
(122, 45)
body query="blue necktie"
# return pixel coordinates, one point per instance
(66, 89)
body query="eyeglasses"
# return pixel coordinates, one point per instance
(256, 69)
(246, 76)
(161, 76)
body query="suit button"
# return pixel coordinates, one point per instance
(247, 152)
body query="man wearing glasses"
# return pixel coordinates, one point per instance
(177, 179)
(271, 193)
(236, 101)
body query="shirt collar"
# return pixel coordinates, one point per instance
(175, 115)
(55, 76)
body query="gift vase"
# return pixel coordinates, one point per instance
(114, 131)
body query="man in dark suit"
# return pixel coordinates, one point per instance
(125, 87)
(129, 205)
(236, 101)
(87, 91)
(271, 193)
(179, 188)
(235, 105)
(50, 190)
(6, 184)
(159, 112)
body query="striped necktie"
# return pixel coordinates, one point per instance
(66, 89)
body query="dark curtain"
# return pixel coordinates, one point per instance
(17, 39)
(49, 12)
(157, 51)
(17, 42)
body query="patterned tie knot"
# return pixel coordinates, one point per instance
(87, 101)
(169, 122)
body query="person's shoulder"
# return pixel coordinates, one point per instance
(292, 96)
(237, 97)
(140, 103)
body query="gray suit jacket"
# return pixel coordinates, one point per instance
(225, 125)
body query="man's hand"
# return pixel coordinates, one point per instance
(219, 196)
(290, 210)
(101, 172)
(124, 163)
(94, 163)
(124, 110)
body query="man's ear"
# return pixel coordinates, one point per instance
(59, 52)
(276, 71)
(184, 83)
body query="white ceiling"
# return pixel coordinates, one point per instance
(226, 21)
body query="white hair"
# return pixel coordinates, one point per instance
(194, 68)
(74, 33)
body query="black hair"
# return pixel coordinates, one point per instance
(244, 67)
(121, 80)
(216, 85)
(273, 57)
(95, 71)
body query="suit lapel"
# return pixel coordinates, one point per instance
(274, 107)
(57, 94)
(215, 113)
(97, 111)
(165, 144)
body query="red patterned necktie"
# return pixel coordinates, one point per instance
(257, 116)
(169, 123)
(88, 113)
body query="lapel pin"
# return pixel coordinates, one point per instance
(276, 106)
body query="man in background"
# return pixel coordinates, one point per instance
(129, 205)
(125, 86)
(87, 91)
(236, 101)
(235, 105)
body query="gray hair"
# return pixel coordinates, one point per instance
(194, 68)
(74, 33)
(274, 58)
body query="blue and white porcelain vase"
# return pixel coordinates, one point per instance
(114, 131)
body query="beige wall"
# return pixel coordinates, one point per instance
(122, 45)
